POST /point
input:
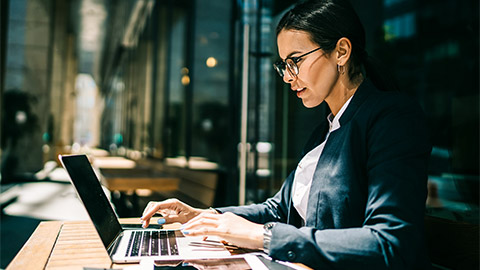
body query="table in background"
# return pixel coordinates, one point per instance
(132, 181)
(124, 175)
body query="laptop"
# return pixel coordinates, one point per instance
(130, 245)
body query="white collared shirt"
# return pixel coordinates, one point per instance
(306, 167)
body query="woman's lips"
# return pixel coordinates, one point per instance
(300, 91)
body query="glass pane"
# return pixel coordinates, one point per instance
(179, 78)
(160, 79)
(210, 118)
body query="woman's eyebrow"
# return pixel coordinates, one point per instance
(290, 54)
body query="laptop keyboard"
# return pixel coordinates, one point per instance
(152, 243)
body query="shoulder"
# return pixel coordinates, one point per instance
(395, 119)
(389, 100)
(387, 116)
(377, 105)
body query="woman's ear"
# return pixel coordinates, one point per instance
(343, 51)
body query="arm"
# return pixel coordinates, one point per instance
(243, 225)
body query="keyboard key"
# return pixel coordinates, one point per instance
(155, 242)
(136, 244)
(145, 250)
(129, 247)
(163, 243)
(173, 243)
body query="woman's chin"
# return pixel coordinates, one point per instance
(309, 104)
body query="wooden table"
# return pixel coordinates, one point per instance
(68, 245)
(64, 245)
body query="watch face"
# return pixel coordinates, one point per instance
(269, 225)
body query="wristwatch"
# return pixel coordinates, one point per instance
(267, 235)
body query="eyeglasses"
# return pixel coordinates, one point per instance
(290, 64)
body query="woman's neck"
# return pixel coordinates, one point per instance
(345, 89)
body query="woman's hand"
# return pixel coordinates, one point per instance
(228, 226)
(172, 210)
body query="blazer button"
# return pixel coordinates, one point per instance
(291, 255)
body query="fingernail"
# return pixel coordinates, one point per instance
(143, 224)
(161, 221)
(185, 232)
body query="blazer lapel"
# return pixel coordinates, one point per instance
(327, 161)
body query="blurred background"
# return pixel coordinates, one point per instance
(179, 98)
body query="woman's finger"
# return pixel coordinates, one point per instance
(145, 218)
(205, 216)
(154, 207)
(148, 213)
(200, 224)
(171, 218)
(147, 208)
(207, 231)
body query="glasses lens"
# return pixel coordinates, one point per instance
(291, 67)
(280, 68)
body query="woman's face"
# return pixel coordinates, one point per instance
(317, 72)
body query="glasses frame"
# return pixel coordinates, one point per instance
(290, 64)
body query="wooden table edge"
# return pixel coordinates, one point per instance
(38, 247)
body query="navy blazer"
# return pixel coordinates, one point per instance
(367, 200)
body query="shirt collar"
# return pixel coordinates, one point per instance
(334, 121)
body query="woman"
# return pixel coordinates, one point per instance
(357, 197)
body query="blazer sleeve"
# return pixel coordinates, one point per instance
(391, 236)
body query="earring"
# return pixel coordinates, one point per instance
(341, 69)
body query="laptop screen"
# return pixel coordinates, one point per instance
(93, 197)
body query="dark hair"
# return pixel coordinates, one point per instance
(326, 21)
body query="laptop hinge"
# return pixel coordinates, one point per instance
(113, 246)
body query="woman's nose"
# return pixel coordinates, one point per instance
(288, 77)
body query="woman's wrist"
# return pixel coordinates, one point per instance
(213, 210)
(209, 210)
